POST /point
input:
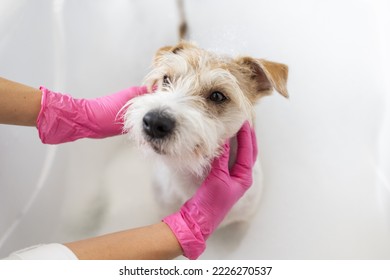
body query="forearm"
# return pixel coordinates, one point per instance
(150, 242)
(19, 104)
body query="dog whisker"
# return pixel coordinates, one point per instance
(184, 129)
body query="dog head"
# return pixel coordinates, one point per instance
(199, 100)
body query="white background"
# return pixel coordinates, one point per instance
(325, 151)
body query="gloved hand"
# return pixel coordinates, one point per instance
(63, 118)
(201, 214)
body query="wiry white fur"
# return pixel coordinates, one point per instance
(204, 75)
(196, 129)
(192, 130)
(184, 157)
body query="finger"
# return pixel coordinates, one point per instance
(245, 151)
(254, 145)
(222, 161)
(141, 90)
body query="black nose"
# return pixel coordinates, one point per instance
(158, 124)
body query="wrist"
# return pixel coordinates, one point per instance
(188, 234)
(63, 118)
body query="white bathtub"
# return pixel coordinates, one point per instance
(325, 152)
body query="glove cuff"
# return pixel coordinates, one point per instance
(64, 119)
(187, 233)
(40, 119)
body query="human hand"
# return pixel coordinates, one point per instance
(63, 118)
(201, 214)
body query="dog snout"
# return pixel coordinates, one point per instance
(158, 124)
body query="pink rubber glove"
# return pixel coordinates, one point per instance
(63, 118)
(201, 214)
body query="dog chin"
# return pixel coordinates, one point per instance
(193, 164)
(157, 148)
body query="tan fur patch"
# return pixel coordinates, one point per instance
(243, 80)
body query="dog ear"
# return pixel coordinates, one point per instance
(172, 49)
(268, 75)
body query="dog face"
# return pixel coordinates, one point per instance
(199, 100)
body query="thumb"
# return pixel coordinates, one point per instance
(222, 161)
(246, 153)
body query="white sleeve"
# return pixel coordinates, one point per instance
(53, 251)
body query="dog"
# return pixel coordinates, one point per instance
(199, 100)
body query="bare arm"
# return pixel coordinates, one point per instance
(151, 242)
(19, 104)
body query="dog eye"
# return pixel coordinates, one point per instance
(166, 80)
(217, 97)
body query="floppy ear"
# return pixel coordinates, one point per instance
(266, 74)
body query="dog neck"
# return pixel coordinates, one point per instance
(189, 176)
